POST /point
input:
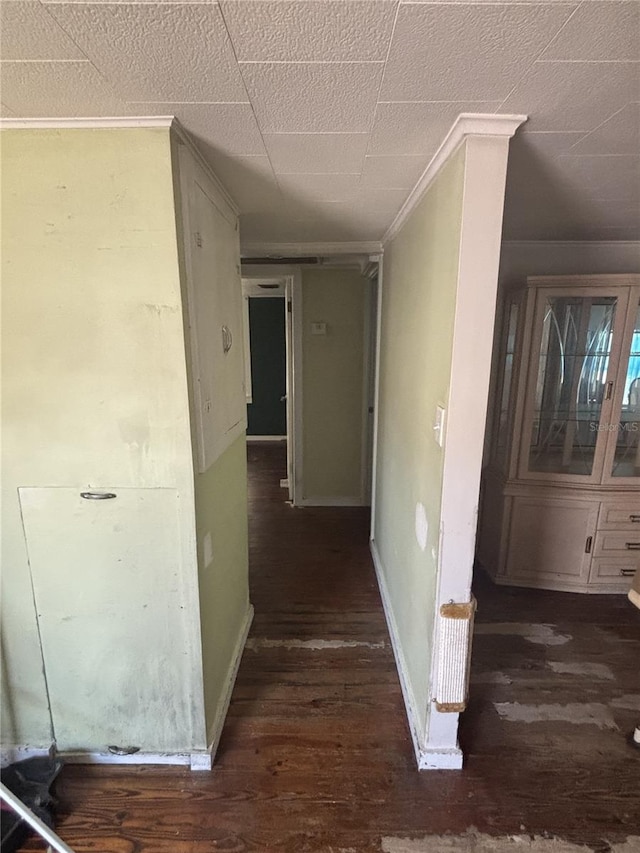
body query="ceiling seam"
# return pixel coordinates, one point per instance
(602, 124)
(253, 110)
(116, 95)
(530, 66)
(382, 76)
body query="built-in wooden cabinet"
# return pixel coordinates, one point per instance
(561, 490)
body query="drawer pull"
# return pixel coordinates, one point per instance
(635, 519)
(627, 573)
(588, 544)
(632, 546)
(97, 496)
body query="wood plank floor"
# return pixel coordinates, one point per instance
(316, 754)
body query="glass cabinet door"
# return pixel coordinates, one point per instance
(626, 428)
(563, 430)
(503, 402)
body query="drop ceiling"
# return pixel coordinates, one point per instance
(319, 116)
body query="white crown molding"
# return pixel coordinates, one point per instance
(97, 122)
(294, 250)
(465, 126)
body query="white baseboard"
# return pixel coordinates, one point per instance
(260, 438)
(97, 757)
(440, 759)
(335, 501)
(427, 758)
(11, 754)
(215, 732)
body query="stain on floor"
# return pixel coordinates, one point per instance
(473, 842)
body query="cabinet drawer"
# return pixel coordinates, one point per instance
(620, 516)
(624, 544)
(605, 570)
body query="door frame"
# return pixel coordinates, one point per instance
(291, 279)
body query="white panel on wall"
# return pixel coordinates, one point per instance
(110, 608)
(215, 314)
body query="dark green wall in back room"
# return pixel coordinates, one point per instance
(267, 413)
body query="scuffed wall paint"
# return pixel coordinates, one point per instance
(94, 381)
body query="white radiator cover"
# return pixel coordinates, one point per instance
(454, 656)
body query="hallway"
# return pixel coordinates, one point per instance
(316, 754)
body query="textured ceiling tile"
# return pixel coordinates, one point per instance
(290, 31)
(160, 52)
(57, 89)
(573, 95)
(249, 180)
(316, 152)
(629, 233)
(318, 226)
(569, 216)
(414, 129)
(331, 186)
(228, 128)
(313, 97)
(27, 31)
(466, 52)
(618, 135)
(543, 144)
(599, 31)
(394, 172)
(612, 177)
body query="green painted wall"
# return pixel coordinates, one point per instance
(267, 411)
(418, 305)
(94, 384)
(333, 375)
(221, 511)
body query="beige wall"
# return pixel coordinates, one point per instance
(418, 307)
(94, 385)
(332, 382)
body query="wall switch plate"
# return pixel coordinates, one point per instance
(207, 548)
(438, 427)
(318, 328)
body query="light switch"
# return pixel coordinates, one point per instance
(438, 427)
(318, 328)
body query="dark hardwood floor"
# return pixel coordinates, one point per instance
(316, 754)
